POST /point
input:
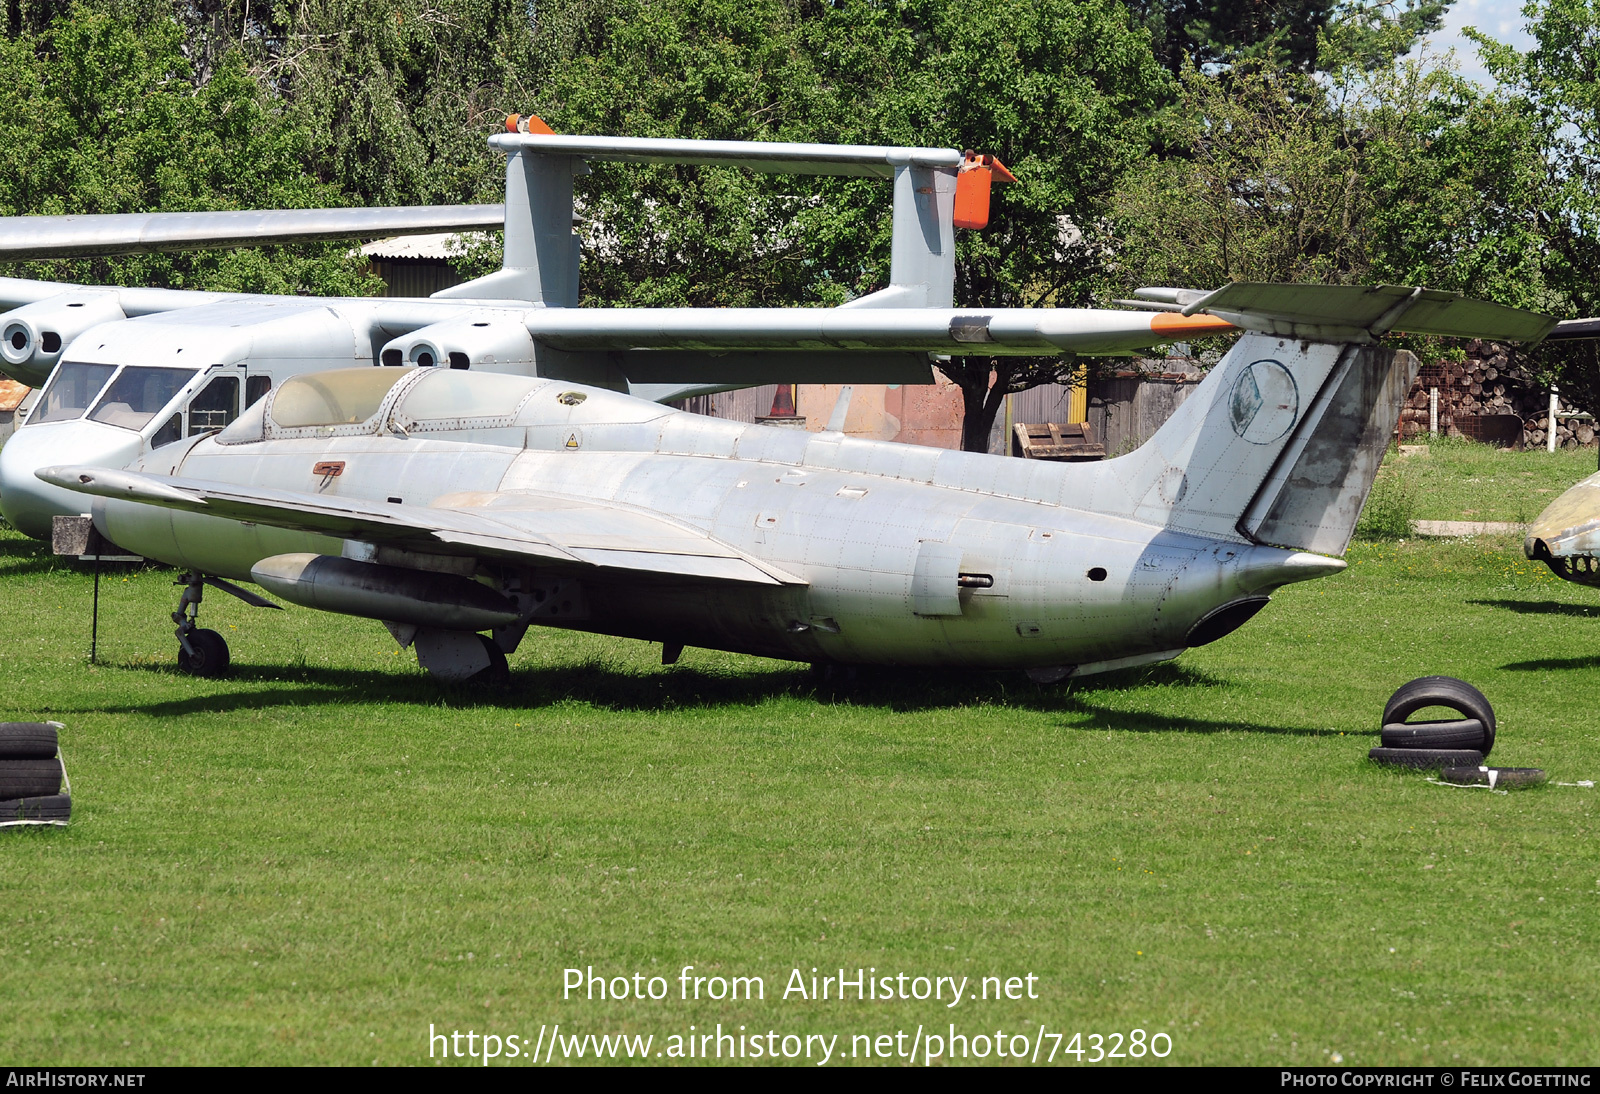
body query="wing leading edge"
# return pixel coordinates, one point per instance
(544, 529)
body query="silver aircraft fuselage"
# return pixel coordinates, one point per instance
(884, 553)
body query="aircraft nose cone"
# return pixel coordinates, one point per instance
(28, 503)
(1569, 526)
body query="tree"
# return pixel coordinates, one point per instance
(1559, 79)
(1294, 35)
(104, 116)
(1406, 174)
(1060, 90)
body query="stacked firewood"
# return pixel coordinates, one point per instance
(1489, 383)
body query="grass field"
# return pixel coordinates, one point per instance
(312, 861)
(1458, 480)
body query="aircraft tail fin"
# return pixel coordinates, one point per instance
(1278, 445)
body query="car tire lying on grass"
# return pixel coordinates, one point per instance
(1441, 691)
(1493, 776)
(27, 740)
(1427, 757)
(29, 778)
(49, 807)
(1463, 733)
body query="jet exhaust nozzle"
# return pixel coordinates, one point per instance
(391, 593)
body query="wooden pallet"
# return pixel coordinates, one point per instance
(1071, 442)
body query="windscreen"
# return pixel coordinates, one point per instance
(449, 394)
(72, 391)
(139, 394)
(342, 397)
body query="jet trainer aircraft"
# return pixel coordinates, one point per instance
(132, 369)
(448, 503)
(1566, 536)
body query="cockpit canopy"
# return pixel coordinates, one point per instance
(360, 401)
(447, 404)
(327, 400)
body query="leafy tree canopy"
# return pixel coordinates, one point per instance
(1299, 35)
(105, 116)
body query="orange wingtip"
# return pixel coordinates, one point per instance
(1172, 324)
(527, 123)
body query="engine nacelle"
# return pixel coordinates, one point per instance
(487, 342)
(34, 335)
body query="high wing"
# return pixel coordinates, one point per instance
(34, 237)
(549, 530)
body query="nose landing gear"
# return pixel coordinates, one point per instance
(200, 652)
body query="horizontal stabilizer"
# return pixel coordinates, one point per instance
(34, 237)
(1360, 314)
(778, 157)
(546, 530)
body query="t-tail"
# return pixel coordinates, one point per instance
(1280, 444)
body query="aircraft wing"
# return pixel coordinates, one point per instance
(1569, 329)
(777, 157)
(1358, 313)
(33, 237)
(637, 332)
(547, 530)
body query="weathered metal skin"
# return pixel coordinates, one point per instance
(1566, 537)
(852, 551)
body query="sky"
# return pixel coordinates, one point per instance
(1499, 19)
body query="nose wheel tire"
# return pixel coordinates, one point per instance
(210, 656)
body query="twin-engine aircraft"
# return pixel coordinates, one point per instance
(133, 369)
(461, 508)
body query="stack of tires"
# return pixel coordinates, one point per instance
(1455, 748)
(32, 779)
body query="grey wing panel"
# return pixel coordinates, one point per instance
(544, 529)
(28, 237)
(788, 158)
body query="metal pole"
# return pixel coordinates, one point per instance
(94, 623)
(1550, 433)
(1433, 412)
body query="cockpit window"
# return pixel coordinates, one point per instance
(442, 397)
(139, 394)
(343, 397)
(72, 391)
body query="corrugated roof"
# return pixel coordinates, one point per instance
(12, 394)
(435, 246)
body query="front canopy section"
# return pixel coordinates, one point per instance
(328, 402)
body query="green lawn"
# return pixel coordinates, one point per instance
(1458, 480)
(312, 861)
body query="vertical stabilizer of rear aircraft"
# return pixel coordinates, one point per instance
(1278, 445)
(541, 250)
(922, 253)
